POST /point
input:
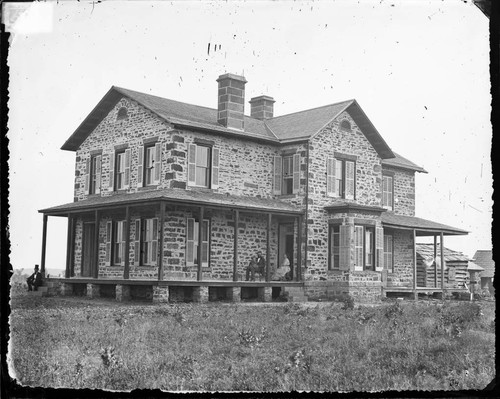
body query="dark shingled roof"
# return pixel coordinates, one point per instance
(426, 251)
(423, 226)
(403, 163)
(484, 258)
(188, 197)
(281, 129)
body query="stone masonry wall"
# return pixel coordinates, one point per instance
(245, 167)
(402, 276)
(404, 191)
(368, 184)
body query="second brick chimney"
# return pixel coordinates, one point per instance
(262, 107)
(231, 101)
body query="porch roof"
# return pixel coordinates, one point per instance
(176, 196)
(424, 227)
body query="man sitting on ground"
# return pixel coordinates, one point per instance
(35, 280)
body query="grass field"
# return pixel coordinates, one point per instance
(82, 343)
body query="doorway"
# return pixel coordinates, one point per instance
(88, 250)
(286, 245)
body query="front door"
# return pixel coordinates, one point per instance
(286, 243)
(88, 250)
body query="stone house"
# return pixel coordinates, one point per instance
(169, 195)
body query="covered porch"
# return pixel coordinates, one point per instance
(181, 257)
(425, 278)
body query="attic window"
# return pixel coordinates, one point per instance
(122, 114)
(345, 125)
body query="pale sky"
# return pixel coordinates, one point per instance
(419, 70)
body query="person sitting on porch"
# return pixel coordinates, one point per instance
(35, 280)
(252, 268)
(281, 272)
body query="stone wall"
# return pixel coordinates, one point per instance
(404, 190)
(402, 275)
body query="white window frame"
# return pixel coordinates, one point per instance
(149, 241)
(338, 179)
(334, 247)
(192, 231)
(118, 243)
(388, 191)
(361, 234)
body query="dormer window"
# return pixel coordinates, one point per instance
(122, 114)
(345, 126)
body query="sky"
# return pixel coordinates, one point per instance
(418, 69)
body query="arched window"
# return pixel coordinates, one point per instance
(122, 114)
(345, 125)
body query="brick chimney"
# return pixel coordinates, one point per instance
(262, 107)
(231, 101)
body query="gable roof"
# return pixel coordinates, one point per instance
(297, 126)
(426, 251)
(484, 258)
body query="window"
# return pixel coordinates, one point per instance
(335, 247)
(115, 243)
(363, 248)
(388, 252)
(387, 191)
(119, 234)
(122, 114)
(119, 171)
(345, 125)
(203, 166)
(149, 165)
(286, 174)
(340, 178)
(93, 175)
(149, 241)
(192, 242)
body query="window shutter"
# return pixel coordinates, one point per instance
(111, 170)
(125, 250)
(349, 180)
(157, 166)
(330, 177)
(87, 176)
(379, 249)
(278, 171)
(296, 173)
(390, 190)
(98, 174)
(140, 166)
(109, 234)
(192, 164)
(358, 248)
(190, 241)
(154, 242)
(127, 169)
(137, 242)
(215, 167)
(345, 247)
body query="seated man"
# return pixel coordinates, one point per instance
(35, 280)
(252, 268)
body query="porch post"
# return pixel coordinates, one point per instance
(299, 248)
(435, 263)
(200, 241)
(96, 263)
(72, 249)
(415, 293)
(235, 250)
(44, 244)
(69, 247)
(160, 244)
(268, 258)
(126, 268)
(441, 250)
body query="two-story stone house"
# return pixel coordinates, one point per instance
(184, 195)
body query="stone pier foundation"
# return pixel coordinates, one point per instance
(93, 291)
(200, 294)
(264, 294)
(233, 294)
(122, 292)
(160, 294)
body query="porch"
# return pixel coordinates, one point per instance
(428, 267)
(177, 290)
(179, 249)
